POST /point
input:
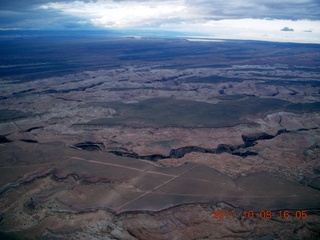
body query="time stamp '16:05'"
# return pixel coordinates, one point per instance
(263, 214)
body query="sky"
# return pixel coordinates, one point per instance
(271, 20)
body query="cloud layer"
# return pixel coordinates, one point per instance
(220, 18)
(124, 13)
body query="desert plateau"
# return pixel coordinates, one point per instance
(147, 138)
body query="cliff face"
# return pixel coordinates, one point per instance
(182, 222)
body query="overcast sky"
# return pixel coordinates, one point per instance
(274, 20)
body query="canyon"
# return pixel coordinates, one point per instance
(147, 149)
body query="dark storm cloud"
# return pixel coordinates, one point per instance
(19, 5)
(28, 15)
(287, 29)
(271, 9)
(237, 9)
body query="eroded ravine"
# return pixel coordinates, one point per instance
(238, 150)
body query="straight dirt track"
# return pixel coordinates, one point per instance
(123, 184)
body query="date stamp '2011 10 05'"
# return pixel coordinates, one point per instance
(263, 214)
